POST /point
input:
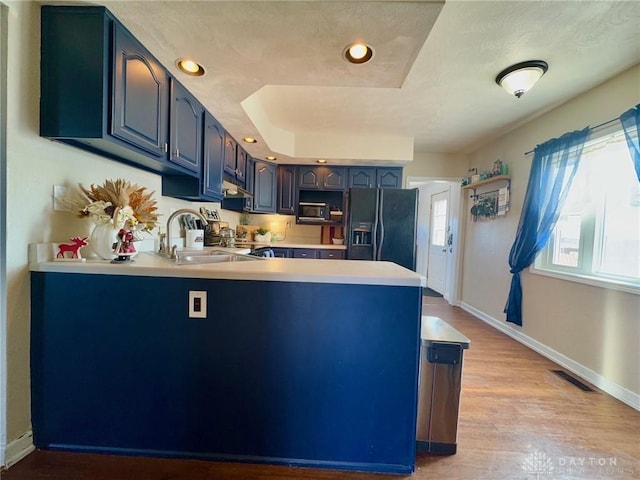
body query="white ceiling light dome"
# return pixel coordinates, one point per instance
(519, 78)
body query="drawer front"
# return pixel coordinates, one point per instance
(281, 252)
(303, 253)
(331, 254)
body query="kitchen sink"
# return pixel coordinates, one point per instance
(209, 256)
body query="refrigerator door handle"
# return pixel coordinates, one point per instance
(374, 233)
(380, 210)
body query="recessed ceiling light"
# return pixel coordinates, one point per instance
(188, 66)
(322, 160)
(358, 52)
(249, 140)
(271, 157)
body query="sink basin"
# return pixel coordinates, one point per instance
(210, 256)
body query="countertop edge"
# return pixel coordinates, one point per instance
(147, 264)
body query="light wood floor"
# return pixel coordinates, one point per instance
(518, 420)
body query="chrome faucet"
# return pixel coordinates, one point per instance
(166, 248)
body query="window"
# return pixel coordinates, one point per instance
(597, 237)
(439, 222)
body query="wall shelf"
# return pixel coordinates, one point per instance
(492, 196)
(497, 178)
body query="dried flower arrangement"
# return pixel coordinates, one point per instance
(119, 202)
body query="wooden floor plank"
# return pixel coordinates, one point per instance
(518, 420)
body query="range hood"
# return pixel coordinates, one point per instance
(234, 191)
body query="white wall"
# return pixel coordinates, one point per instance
(599, 329)
(437, 165)
(34, 165)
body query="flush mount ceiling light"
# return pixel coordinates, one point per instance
(322, 160)
(271, 157)
(249, 140)
(358, 53)
(519, 78)
(188, 66)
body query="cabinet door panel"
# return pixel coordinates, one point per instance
(229, 155)
(140, 96)
(186, 128)
(309, 177)
(334, 178)
(362, 177)
(389, 177)
(212, 158)
(286, 190)
(264, 187)
(241, 166)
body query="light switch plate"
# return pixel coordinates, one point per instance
(197, 304)
(59, 192)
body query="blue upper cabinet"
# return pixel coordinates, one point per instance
(265, 179)
(185, 147)
(230, 147)
(372, 177)
(207, 186)
(140, 93)
(322, 178)
(235, 161)
(212, 158)
(362, 177)
(286, 190)
(389, 177)
(102, 91)
(241, 165)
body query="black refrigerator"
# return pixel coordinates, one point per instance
(382, 225)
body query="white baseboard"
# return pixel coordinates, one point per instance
(624, 395)
(18, 449)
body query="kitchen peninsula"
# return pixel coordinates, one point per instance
(298, 362)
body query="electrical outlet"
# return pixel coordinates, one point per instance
(59, 192)
(197, 304)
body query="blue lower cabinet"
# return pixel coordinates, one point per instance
(315, 383)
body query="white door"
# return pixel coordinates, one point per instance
(438, 246)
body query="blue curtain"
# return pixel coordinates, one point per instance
(554, 165)
(631, 125)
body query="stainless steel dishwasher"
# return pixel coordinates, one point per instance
(439, 386)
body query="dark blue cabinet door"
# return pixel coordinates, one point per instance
(362, 177)
(140, 96)
(322, 178)
(309, 178)
(334, 178)
(264, 187)
(230, 146)
(286, 189)
(241, 166)
(186, 128)
(212, 158)
(389, 177)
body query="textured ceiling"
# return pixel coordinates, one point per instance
(275, 71)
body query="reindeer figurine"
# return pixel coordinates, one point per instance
(74, 247)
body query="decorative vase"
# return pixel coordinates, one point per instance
(266, 238)
(102, 240)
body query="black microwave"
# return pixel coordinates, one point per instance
(313, 212)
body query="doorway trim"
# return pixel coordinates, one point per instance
(452, 291)
(4, 36)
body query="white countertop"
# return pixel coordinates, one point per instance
(149, 264)
(434, 329)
